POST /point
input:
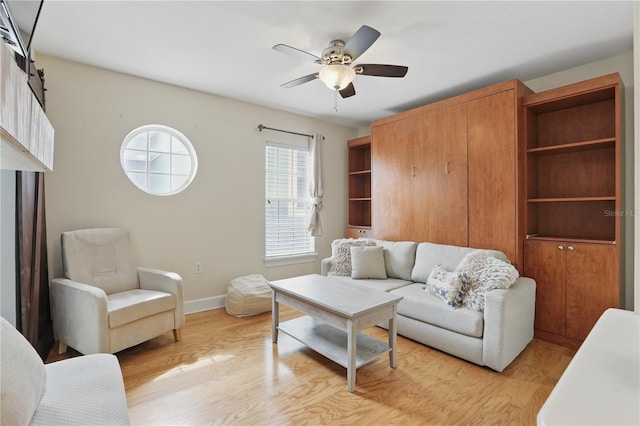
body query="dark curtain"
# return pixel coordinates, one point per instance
(34, 315)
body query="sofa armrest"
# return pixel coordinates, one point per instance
(508, 323)
(80, 315)
(325, 265)
(168, 282)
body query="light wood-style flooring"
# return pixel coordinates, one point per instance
(226, 370)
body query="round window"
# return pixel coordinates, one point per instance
(158, 159)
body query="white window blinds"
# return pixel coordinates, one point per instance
(286, 204)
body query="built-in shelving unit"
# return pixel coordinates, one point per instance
(572, 166)
(359, 187)
(573, 181)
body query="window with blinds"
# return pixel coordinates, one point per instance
(286, 204)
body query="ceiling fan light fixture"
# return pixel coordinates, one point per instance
(337, 77)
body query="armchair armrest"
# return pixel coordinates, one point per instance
(80, 313)
(168, 282)
(508, 322)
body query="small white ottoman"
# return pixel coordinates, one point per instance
(249, 295)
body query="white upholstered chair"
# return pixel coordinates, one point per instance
(84, 390)
(105, 303)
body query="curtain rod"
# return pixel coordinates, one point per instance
(262, 127)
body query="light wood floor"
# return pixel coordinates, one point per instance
(226, 370)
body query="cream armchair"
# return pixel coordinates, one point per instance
(105, 303)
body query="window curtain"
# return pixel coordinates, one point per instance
(315, 184)
(33, 317)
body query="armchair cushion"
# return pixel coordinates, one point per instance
(101, 257)
(129, 306)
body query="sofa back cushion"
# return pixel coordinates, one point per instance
(429, 255)
(101, 257)
(399, 258)
(23, 377)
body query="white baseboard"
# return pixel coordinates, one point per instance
(201, 305)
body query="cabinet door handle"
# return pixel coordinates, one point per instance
(570, 248)
(560, 247)
(413, 171)
(446, 168)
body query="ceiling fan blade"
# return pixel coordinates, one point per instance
(379, 70)
(301, 80)
(348, 91)
(361, 41)
(300, 54)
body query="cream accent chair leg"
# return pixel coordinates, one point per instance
(62, 347)
(177, 334)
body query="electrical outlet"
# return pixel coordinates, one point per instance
(198, 267)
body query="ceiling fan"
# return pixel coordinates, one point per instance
(338, 72)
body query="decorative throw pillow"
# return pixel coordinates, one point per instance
(367, 262)
(485, 273)
(341, 255)
(447, 285)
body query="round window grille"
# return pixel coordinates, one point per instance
(158, 159)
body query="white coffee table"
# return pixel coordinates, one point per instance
(335, 314)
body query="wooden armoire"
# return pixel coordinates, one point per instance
(447, 172)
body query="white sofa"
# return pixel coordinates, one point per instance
(86, 390)
(493, 338)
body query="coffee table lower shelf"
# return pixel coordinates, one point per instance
(332, 342)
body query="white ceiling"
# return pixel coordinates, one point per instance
(224, 47)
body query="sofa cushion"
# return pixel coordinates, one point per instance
(382, 285)
(447, 285)
(341, 255)
(22, 374)
(485, 274)
(399, 258)
(367, 262)
(429, 255)
(423, 306)
(129, 306)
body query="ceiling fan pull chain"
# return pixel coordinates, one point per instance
(335, 100)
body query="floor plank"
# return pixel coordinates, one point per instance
(226, 370)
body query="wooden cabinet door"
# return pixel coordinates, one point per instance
(592, 286)
(492, 159)
(545, 262)
(391, 186)
(440, 176)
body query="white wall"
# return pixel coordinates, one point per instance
(622, 64)
(218, 220)
(8, 245)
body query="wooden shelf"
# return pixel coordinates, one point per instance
(576, 146)
(360, 172)
(537, 237)
(569, 199)
(359, 179)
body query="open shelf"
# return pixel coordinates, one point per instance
(573, 147)
(331, 342)
(359, 179)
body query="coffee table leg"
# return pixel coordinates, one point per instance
(351, 355)
(275, 317)
(393, 336)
